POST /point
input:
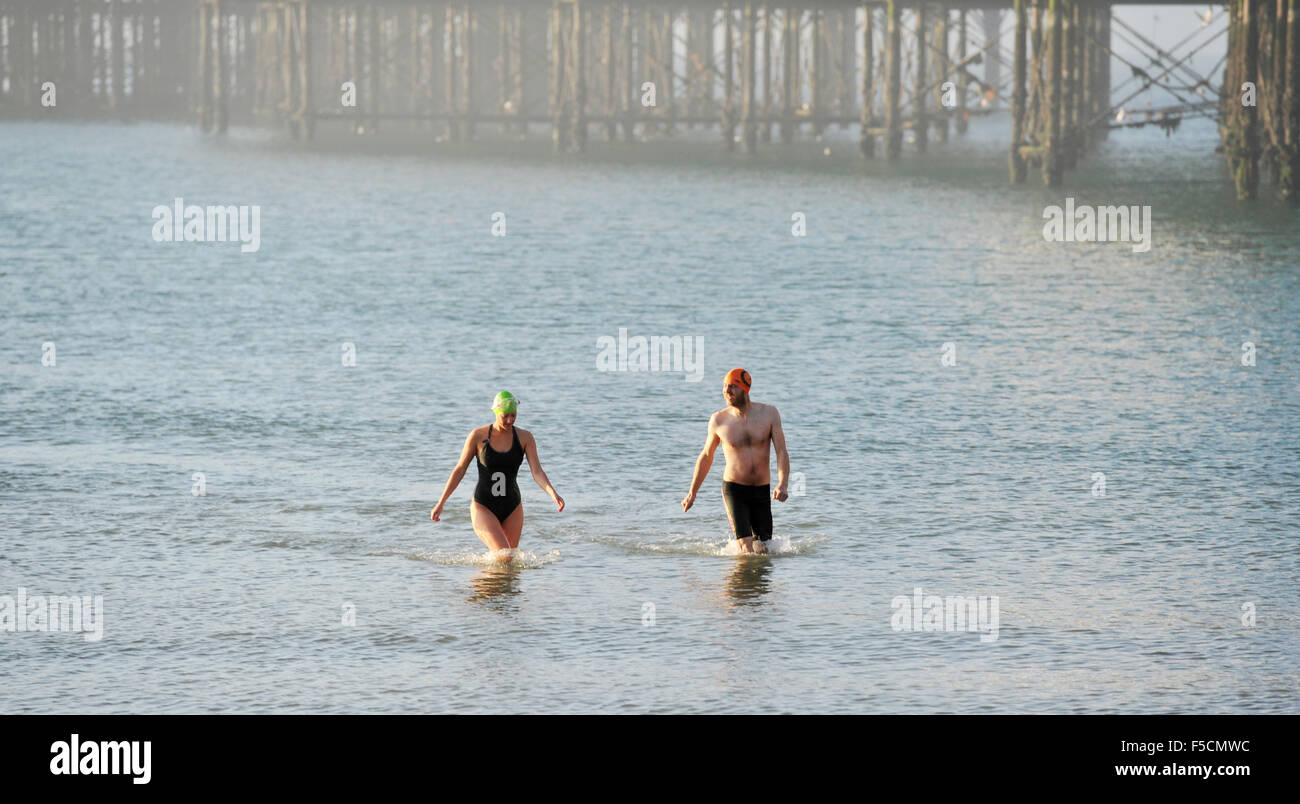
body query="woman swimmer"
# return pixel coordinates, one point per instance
(497, 510)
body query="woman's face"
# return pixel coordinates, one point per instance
(506, 419)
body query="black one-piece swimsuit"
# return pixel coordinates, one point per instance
(498, 470)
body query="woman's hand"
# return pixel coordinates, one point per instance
(559, 502)
(436, 512)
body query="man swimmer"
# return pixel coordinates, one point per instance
(745, 428)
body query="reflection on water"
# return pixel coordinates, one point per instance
(748, 581)
(494, 583)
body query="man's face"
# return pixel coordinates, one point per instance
(735, 395)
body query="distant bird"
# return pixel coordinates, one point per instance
(1119, 117)
(1206, 17)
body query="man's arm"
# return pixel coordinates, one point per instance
(702, 464)
(782, 458)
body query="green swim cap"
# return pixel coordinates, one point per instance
(505, 402)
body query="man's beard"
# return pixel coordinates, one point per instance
(739, 400)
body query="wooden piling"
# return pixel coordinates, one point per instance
(963, 116)
(559, 123)
(893, 83)
(816, 76)
(630, 100)
(222, 90)
(848, 63)
(667, 89)
(748, 126)
(1247, 173)
(867, 141)
(611, 81)
(205, 68)
(450, 103)
(520, 60)
(789, 65)
(765, 130)
(306, 107)
(468, 73)
(117, 18)
(1290, 170)
(1019, 169)
(921, 129)
(579, 141)
(728, 82)
(1052, 162)
(1072, 95)
(944, 68)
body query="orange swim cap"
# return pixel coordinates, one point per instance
(737, 376)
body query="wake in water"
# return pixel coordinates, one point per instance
(685, 544)
(522, 559)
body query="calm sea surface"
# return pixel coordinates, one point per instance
(970, 479)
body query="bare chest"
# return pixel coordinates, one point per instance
(745, 435)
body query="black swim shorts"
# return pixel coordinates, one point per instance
(750, 510)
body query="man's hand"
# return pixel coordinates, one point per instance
(780, 495)
(435, 513)
(688, 501)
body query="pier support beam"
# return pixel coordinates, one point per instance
(1052, 160)
(921, 128)
(728, 82)
(1246, 151)
(221, 90)
(963, 116)
(748, 125)
(867, 141)
(943, 69)
(559, 120)
(630, 100)
(789, 70)
(1019, 169)
(611, 79)
(204, 98)
(765, 131)
(893, 83)
(579, 142)
(816, 74)
(1290, 173)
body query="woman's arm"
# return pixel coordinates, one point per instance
(535, 465)
(466, 455)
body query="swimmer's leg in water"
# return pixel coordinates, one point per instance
(496, 535)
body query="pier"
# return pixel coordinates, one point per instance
(760, 74)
